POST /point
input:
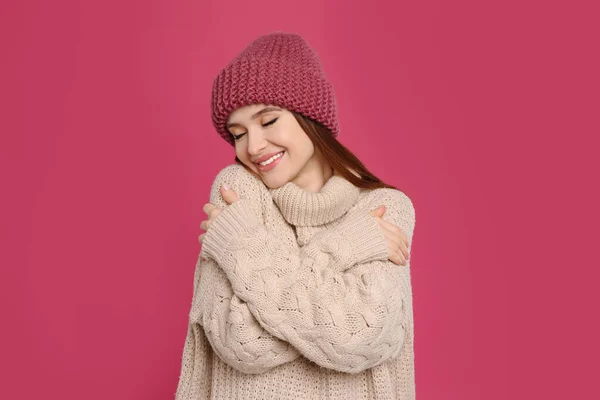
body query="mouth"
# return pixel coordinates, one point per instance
(270, 163)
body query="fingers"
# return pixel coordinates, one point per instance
(396, 239)
(201, 237)
(393, 229)
(405, 252)
(395, 255)
(204, 225)
(229, 195)
(378, 212)
(399, 242)
(210, 209)
(401, 260)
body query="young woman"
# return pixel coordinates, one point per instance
(302, 289)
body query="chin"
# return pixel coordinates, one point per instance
(278, 177)
(274, 183)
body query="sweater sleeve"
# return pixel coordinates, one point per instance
(343, 318)
(233, 332)
(194, 378)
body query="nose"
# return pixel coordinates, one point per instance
(256, 143)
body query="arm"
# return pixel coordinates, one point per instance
(233, 332)
(343, 314)
(194, 377)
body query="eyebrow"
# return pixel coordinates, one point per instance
(256, 115)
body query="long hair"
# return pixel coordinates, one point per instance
(342, 160)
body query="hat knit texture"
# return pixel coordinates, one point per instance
(278, 69)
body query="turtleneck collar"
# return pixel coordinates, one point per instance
(303, 208)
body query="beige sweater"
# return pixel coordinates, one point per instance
(296, 298)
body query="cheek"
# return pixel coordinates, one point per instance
(306, 148)
(298, 143)
(242, 155)
(240, 151)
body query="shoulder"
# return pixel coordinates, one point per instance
(242, 182)
(238, 179)
(400, 209)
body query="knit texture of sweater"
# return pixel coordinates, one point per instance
(294, 296)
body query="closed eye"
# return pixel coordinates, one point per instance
(236, 137)
(271, 122)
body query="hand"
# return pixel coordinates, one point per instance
(396, 240)
(213, 211)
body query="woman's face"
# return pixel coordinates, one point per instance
(269, 140)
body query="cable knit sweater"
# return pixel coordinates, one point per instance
(295, 298)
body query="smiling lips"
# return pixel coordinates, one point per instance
(265, 157)
(269, 162)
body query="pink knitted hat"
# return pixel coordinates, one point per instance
(279, 69)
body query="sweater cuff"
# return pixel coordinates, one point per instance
(364, 239)
(234, 220)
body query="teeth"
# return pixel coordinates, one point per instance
(270, 160)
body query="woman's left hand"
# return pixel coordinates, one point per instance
(213, 211)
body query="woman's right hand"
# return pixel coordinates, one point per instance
(396, 240)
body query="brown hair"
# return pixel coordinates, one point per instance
(342, 160)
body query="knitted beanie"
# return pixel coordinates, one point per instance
(279, 69)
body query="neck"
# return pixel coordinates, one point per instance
(314, 175)
(301, 207)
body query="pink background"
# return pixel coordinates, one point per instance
(482, 112)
